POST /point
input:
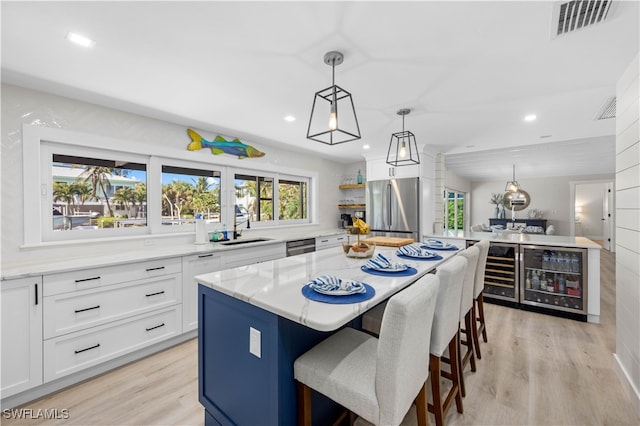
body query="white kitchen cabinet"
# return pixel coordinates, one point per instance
(69, 312)
(378, 169)
(77, 351)
(191, 266)
(328, 241)
(21, 366)
(97, 314)
(251, 255)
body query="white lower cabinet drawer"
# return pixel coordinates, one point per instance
(74, 352)
(84, 279)
(69, 312)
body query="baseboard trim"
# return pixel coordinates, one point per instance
(632, 392)
(91, 372)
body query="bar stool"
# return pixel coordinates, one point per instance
(376, 378)
(444, 334)
(478, 300)
(466, 312)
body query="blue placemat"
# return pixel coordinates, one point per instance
(311, 294)
(407, 272)
(440, 248)
(436, 257)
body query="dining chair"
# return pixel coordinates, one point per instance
(466, 311)
(376, 378)
(478, 299)
(444, 335)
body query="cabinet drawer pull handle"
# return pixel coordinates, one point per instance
(87, 279)
(36, 293)
(153, 328)
(88, 349)
(154, 269)
(324, 241)
(205, 255)
(340, 238)
(155, 294)
(87, 309)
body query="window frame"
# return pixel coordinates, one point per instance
(37, 191)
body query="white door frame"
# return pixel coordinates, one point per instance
(609, 200)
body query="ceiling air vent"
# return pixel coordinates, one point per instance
(607, 110)
(573, 15)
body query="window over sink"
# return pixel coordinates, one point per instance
(80, 187)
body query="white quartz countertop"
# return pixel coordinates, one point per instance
(39, 266)
(276, 286)
(519, 238)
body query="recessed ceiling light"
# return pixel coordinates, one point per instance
(530, 117)
(80, 39)
(289, 118)
(366, 146)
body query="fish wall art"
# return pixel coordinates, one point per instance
(222, 146)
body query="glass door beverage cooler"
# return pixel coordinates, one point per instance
(501, 272)
(554, 278)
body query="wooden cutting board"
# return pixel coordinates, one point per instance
(389, 241)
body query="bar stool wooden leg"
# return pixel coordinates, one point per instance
(481, 317)
(474, 331)
(469, 355)
(434, 374)
(455, 372)
(459, 366)
(304, 404)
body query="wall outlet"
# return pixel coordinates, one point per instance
(255, 345)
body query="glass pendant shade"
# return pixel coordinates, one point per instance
(403, 149)
(512, 185)
(333, 116)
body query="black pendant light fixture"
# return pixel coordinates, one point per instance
(333, 117)
(512, 185)
(403, 149)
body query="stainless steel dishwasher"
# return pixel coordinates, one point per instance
(306, 245)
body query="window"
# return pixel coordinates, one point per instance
(255, 195)
(76, 190)
(97, 193)
(189, 192)
(454, 211)
(293, 200)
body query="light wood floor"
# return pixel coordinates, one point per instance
(535, 370)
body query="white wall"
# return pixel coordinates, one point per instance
(22, 106)
(551, 195)
(628, 231)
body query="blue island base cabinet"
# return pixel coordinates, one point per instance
(238, 387)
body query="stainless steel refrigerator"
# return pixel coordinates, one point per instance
(393, 207)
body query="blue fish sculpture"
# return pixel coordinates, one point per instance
(222, 146)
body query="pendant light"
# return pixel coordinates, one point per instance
(333, 117)
(512, 185)
(403, 149)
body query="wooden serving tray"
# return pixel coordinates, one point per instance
(389, 241)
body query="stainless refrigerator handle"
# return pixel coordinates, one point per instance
(389, 224)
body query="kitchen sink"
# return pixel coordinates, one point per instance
(247, 241)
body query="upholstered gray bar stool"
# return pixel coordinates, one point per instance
(466, 312)
(478, 300)
(376, 378)
(444, 335)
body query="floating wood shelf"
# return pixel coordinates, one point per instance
(351, 206)
(352, 186)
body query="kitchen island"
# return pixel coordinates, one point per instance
(523, 255)
(254, 322)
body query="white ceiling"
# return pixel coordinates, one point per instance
(470, 72)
